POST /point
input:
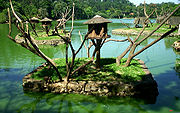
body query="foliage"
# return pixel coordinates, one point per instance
(85, 8)
(109, 71)
(3, 17)
(162, 9)
(42, 35)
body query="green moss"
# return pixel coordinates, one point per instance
(109, 71)
(42, 35)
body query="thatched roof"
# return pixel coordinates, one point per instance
(34, 18)
(46, 20)
(97, 20)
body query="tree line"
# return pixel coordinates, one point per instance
(84, 8)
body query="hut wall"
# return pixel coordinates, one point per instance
(98, 30)
(174, 20)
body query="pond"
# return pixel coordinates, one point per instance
(15, 62)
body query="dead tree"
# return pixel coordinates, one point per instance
(62, 22)
(29, 42)
(146, 13)
(90, 44)
(118, 59)
(134, 43)
(67, 39)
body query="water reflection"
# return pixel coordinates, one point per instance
(74, 103)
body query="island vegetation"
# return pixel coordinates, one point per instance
(109, 71)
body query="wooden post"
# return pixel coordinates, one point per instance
(46, 27)
(179, 30)
(98, 55)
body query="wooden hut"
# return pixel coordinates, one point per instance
(174, 20)
(34, 20)
(45, 23)
(97, 26)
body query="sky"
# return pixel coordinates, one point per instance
(137, 2)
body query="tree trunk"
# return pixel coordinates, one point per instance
(130, 57)
(118, 59)
(46, 27)
(98, 54)
(98, 58)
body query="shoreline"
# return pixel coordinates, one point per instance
(135, 33)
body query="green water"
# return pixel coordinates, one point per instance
(16, 61)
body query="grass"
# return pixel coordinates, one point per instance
(164, 28)
(109, 71)
(42, 35)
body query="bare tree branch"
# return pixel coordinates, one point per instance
(146, 13)
(155, 41)
(27, 36)
(72, 19)
(10, 29)
(15, 13)
(159, 25)
(82, 39)
(124, 23)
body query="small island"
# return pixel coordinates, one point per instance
(135, 31)
(46, 35)
(111, 80)
(43, 39)
(172, 22)
(102, 77)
